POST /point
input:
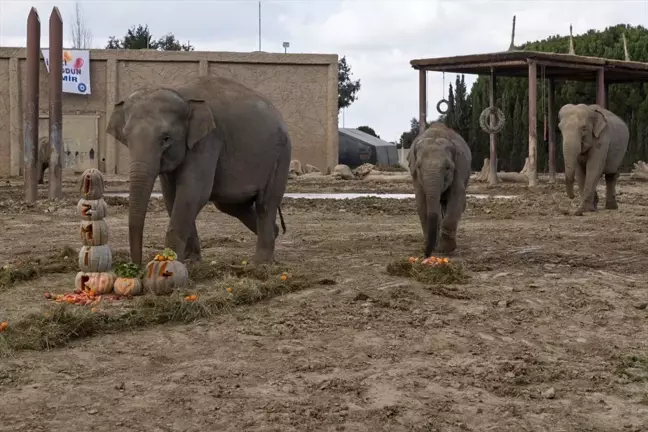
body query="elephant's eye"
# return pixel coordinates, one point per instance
(166, 138)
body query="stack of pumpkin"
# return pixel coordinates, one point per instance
(161, 277)
(95, 257)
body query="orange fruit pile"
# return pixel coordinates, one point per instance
(191, 298)
(79, 297)
(430, 261)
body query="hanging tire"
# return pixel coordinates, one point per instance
(484, 120)
(438, 107)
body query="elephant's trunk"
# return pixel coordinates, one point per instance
(571, 152)
(141, 178)
(432, 182)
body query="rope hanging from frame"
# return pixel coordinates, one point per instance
(443, 101)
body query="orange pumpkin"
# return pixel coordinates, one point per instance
(94, 232)
(162, 277)
(92, 184)
(125, 286)
(92, 209)
(99, 283)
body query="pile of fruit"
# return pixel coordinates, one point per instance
(80, 297)
(435, 261)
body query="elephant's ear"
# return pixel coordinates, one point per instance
(117, 122)
(201, 121)
(598, 121)
(411, 160)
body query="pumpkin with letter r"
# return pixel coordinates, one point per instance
(165, 273)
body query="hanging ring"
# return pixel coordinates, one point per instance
(438, 106)
(484, 120)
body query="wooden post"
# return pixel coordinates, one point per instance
(551, 126)
(533, 124)
(422, 100)
(55, 104)
(600, 88)
(30, 153)
(492, 96)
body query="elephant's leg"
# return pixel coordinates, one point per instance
(192, 249)
(266, 207)
(456, 202)
(243, 212)
(580, 178)
(589, 197)
(41, 173)
(610, 191)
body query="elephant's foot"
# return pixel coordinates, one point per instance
(611, 205)
(192, 257)
(595, 201)
(263, 257)
(585, 208)
(447, 243)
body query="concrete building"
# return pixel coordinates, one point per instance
(302, 86)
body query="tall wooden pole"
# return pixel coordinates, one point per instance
(533, 124)
(422, 100)
(492, 96)
(600, 88)
(551, 126)
(30, 153)
(55, 106)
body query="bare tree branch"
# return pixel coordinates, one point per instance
(80, 35)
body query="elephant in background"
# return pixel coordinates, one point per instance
(212, 139)
(439, 162)
(595, 141)
(44, 151)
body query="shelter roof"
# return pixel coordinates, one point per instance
(365, 137)
(515, 63)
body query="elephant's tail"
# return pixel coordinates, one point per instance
(283, 225)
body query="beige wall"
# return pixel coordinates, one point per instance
(302, 86)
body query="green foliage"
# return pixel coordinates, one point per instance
(407, 138)
(139, 37)
(368, 130)
(128, 270)
(347, 89)
(628, 101)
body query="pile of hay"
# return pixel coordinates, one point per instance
(447, 273)
(222, 286)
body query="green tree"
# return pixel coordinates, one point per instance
(139, 37)
(369, 130)
(347, 89)
(407, 138)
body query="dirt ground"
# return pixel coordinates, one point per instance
(549, 333)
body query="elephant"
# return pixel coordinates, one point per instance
(44, 151)
(211, 139)
(595, 141)
(439, 161)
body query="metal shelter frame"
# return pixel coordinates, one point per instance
(520, 63)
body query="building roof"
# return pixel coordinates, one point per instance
(365, 137)
(515, 63)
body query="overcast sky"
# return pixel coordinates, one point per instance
(378, 37)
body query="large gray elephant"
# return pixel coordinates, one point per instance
(212, 139)
(439, 161)
(595, 141)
